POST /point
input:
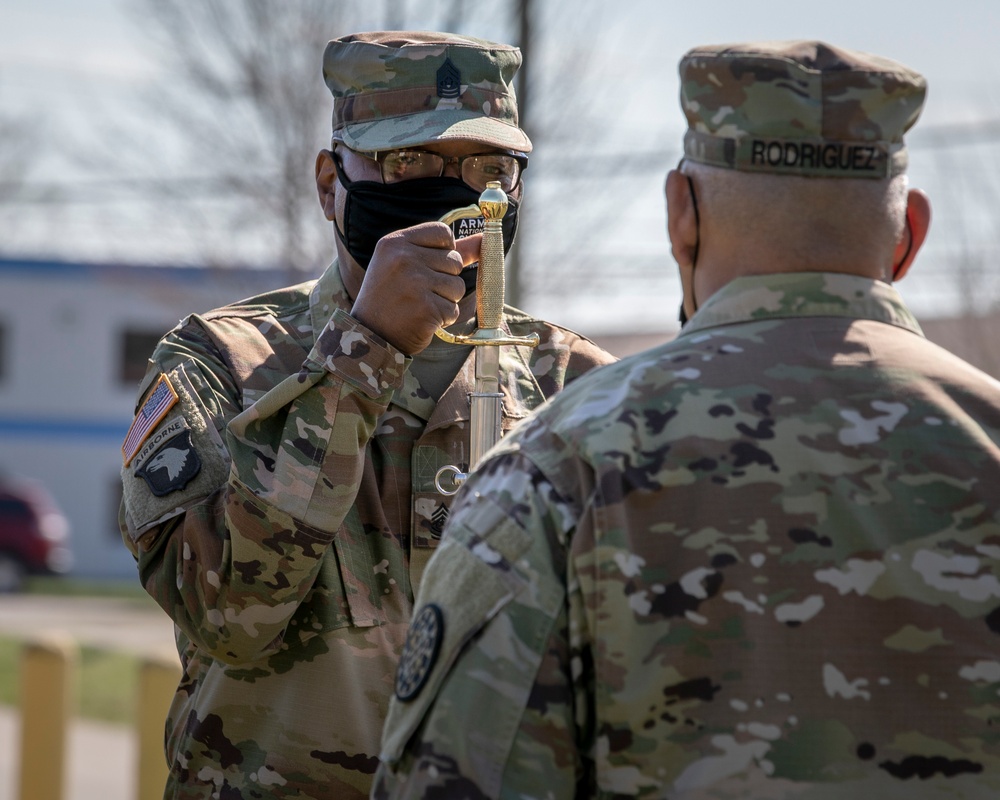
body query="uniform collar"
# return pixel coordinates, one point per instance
(518, 385)
(802, 294)
(328, 294)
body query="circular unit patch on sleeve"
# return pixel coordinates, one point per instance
(420, 652)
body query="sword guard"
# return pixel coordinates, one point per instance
(465, 212)
(487, 336)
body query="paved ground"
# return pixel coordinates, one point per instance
(104, 622)
(102, 757)
(102, 760)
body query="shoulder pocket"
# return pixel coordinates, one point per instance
(178, 462)
(468, 592)
(485, 565)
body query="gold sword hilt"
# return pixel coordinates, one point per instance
(490, 276)
(485, 401)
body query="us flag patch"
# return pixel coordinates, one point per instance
(160, 401)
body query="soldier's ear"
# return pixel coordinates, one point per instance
(682, 219)
(682, 229)
(918, 223)
(326, 182)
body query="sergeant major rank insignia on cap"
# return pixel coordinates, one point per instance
(423, 642)
(449, 81)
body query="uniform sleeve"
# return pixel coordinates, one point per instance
(562, 356)
(231, 550)
(498, 707)
(584, 355)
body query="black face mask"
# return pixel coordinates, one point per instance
(374, 209)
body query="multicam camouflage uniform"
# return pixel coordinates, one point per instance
(280, 510)
(760, 561)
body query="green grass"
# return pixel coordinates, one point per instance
(77, 587)
(10, 650)
(106, 681)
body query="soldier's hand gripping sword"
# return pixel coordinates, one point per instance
(485, 402)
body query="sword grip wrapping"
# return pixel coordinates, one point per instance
(490, 280)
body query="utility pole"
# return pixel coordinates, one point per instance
(513, 262)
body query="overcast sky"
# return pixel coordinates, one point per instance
(50, 50)
(60, 59)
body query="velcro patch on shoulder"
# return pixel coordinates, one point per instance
(181, 461)
(463, 595)
(423, 642)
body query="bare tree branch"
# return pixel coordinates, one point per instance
(20, 149)
(248, 110)
(244, 111)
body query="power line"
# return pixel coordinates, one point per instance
(29, 192)
(549, 165)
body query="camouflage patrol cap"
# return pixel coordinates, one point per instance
(798, 108)
(405, 88)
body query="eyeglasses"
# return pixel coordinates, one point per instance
(476, 169)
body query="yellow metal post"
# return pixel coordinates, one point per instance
(48, 697)
(158, 678)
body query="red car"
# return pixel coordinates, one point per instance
(34, 535)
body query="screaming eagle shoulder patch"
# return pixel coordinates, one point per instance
(174, 464)
(423, 642)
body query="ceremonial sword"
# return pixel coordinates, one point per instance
(485, 402)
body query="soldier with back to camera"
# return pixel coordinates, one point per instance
(763, 559)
